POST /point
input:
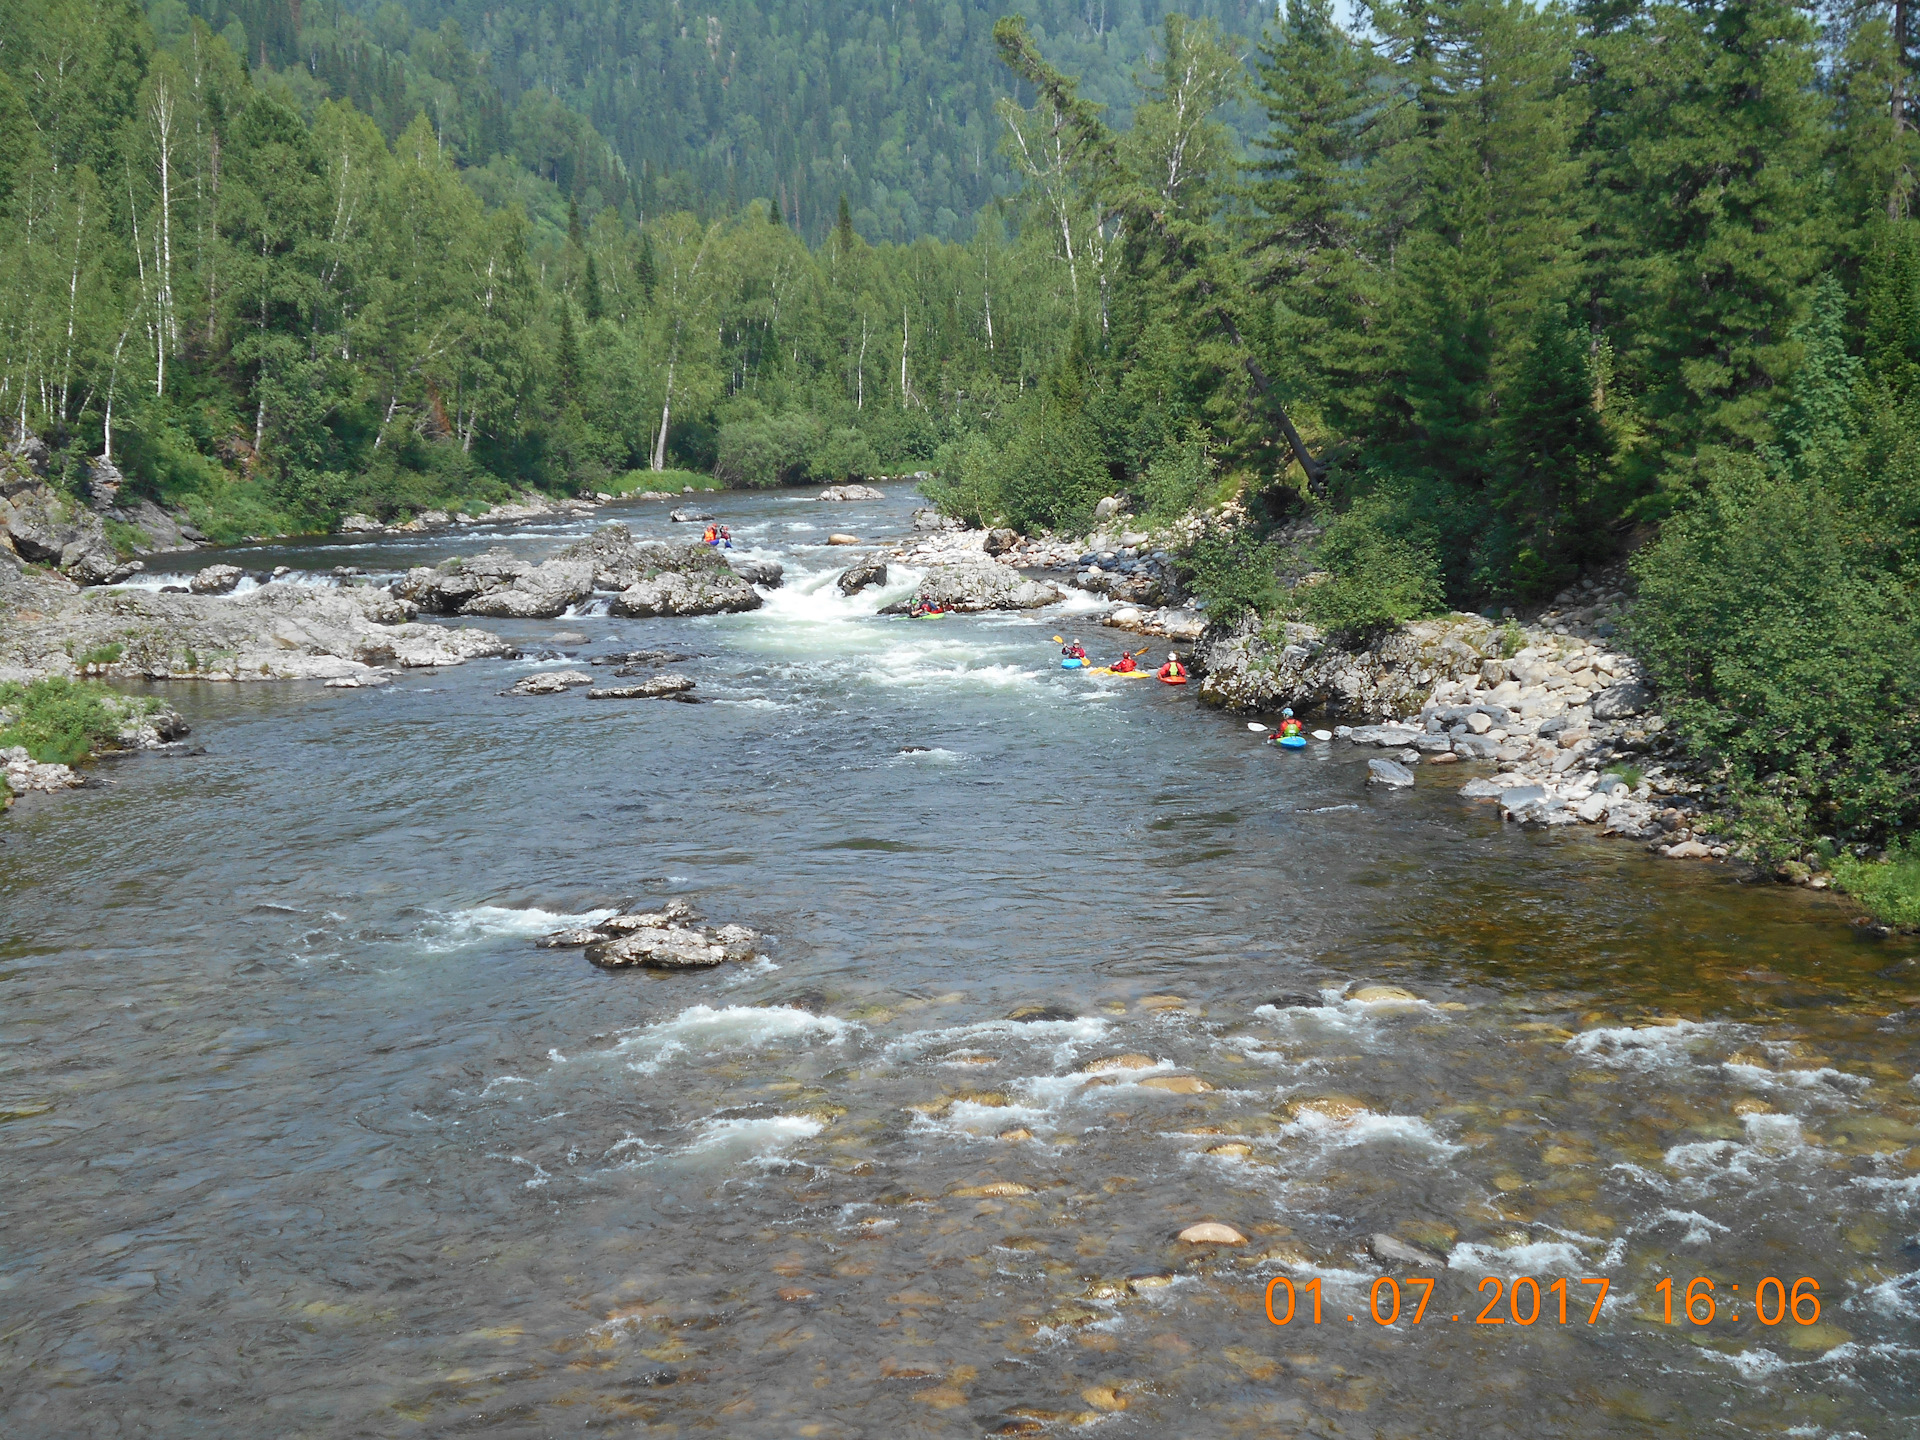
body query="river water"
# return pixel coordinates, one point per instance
(303, 1137)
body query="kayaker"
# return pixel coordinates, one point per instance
(726, 537)
(1172, 670)
(1073, 650)
(1289, 725)
(710, 537)
(1125, 665)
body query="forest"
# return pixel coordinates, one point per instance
(1502, 293)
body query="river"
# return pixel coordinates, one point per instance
(303, 1136)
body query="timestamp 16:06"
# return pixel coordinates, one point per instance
(1528, 1301)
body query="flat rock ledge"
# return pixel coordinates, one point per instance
(272, 632)
(665, 939)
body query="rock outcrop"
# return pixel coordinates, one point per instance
(275, 632)
(682, 593)
(660, 687)
(851, 492)
(551, 682)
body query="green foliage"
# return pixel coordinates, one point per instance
(1381, 570)
(1512, 640)
(1175, 480)
(1628, 775)
(1778, 610)
(1889, 888)
(101, 654)
(60, 722)
(1233, 575)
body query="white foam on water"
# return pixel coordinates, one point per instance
(761, 1137)
(1699, 1228)
(1825, 1078)
(1897, 1298)
(933, 755)
(701, 1029)
(504, 1080)
(1529, 1259)
(1646, 1047)
(1083, 602)
(1752, 1365)
(1067, 1037)
(738, 975)
(758, 702)
(452, 929)
(1366, 1128)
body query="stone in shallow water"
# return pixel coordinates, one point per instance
(1212, 1232)
(1116, 1062)
(996, 1190)
(1327, 1107)
(1389, 1250)
(1176, 1084)
(658, 688)
(1041, 1012)
(1233, 1150)
(1389, 773)
(1384, 994)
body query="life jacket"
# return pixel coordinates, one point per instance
(1290, 727)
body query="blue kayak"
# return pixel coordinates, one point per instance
(1293, 742)
(1071, 664)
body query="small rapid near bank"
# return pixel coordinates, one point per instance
(303, 1132)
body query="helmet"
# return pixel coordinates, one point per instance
(1288, 713)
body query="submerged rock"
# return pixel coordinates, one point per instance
(1389, 1250)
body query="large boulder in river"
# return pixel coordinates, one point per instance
(977, 583)
(856, 578)
(216, 579)
(851, 492)
(770, 573)
(540, 592)
(672, 948)
(674, 592)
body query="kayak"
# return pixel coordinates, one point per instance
(930, 615)
(1071, 664)
(1173, 679)
(1292, 742)
(1122, 674)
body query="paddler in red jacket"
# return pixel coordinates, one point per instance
(1172, 669)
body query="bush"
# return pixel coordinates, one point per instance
(758, 454)
(1787, 655)
(1233, 575)
(1173, 482)
(1890, 888)
(59, 721)
(1382, 571)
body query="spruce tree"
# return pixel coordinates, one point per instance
(591, 301)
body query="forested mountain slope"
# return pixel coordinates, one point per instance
(798, 101)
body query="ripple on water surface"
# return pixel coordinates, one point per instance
(1055, 983)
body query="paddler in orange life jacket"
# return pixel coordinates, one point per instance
(1172, 669)
(710, 537)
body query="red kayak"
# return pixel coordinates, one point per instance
(1173, 679)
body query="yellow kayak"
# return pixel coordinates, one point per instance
(1123, 674)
